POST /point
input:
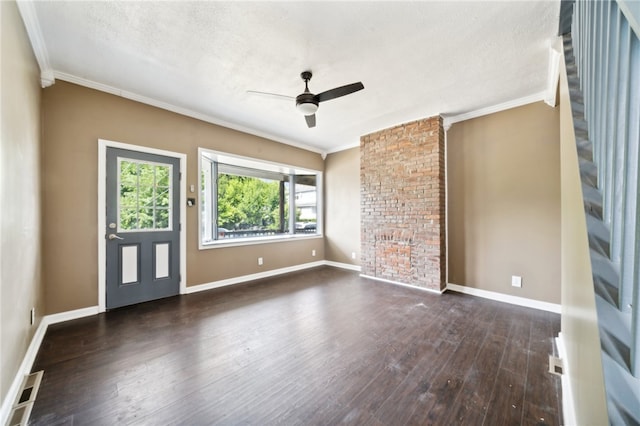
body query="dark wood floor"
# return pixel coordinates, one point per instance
(322, 346)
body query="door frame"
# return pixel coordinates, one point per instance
(103, 144)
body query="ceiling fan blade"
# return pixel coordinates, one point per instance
(339, 91)
(271, 95)
(311, 120)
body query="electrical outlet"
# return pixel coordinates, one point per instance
(32, 316)
(260, 261)
(313, 252)
(516, 281)
(353, 255)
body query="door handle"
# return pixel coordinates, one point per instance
(115, 237)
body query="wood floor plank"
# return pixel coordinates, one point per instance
(507, 399)
(411, 395)
(481, 373)
(323, 346)
(516, 354)
(462, 413)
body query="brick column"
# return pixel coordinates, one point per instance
(402, 175)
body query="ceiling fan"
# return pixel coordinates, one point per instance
(307, 102)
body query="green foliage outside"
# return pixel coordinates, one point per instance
(144, 196)
(248, 202)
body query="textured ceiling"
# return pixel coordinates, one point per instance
(415, 59)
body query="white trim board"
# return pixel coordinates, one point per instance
(23, 370)
(103, 144)
(568, 407)
(32, 351)
(514, 300)
(32, 25)
(179, 110)
(267, 274)
(428, 290)
(553, 72)
(341, 265)
(448, 120)
(251, 277)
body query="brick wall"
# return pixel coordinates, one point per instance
(403, 204)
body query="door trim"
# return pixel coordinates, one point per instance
(103, 144)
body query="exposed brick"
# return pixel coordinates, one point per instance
(403, 204)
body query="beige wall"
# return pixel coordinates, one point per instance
(74, 119)
(20, 284)
(342, 206)
(580, 335)
(504, 202)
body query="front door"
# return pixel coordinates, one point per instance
(142, 227)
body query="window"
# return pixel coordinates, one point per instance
(145, 191)
(244, 200)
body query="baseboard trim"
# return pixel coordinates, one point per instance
(71, 315)
(402, 284)
(23, 370)
(32, 351)
(252, 277)
(341, 265)
(499, 297)
(568, 407)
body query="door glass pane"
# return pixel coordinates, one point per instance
(128, 218)
(162, 218)
(162, 176)
(144, 203)
(162, 197)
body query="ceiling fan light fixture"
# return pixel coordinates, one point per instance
(307, 103)
(307, 108)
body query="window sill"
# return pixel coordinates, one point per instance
(254, 241)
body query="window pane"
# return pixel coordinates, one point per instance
(128, 173)
(162, 176)
(145, 218)
(306, 204)
(129, 219)
(128, 196)
(162, 219)
(162, 197)
(287, 190)
(147, 176)
(248, 206)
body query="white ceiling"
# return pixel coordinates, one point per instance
(415, 59)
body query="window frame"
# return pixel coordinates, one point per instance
(269, 167)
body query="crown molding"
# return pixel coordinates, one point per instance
(32, 25)
(448, 120)
(553, 74)
(178, 110)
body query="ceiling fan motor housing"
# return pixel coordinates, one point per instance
(307, 103)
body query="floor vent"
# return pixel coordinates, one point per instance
(555, 365)
(26, 397)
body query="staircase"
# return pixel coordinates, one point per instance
(615, 317)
